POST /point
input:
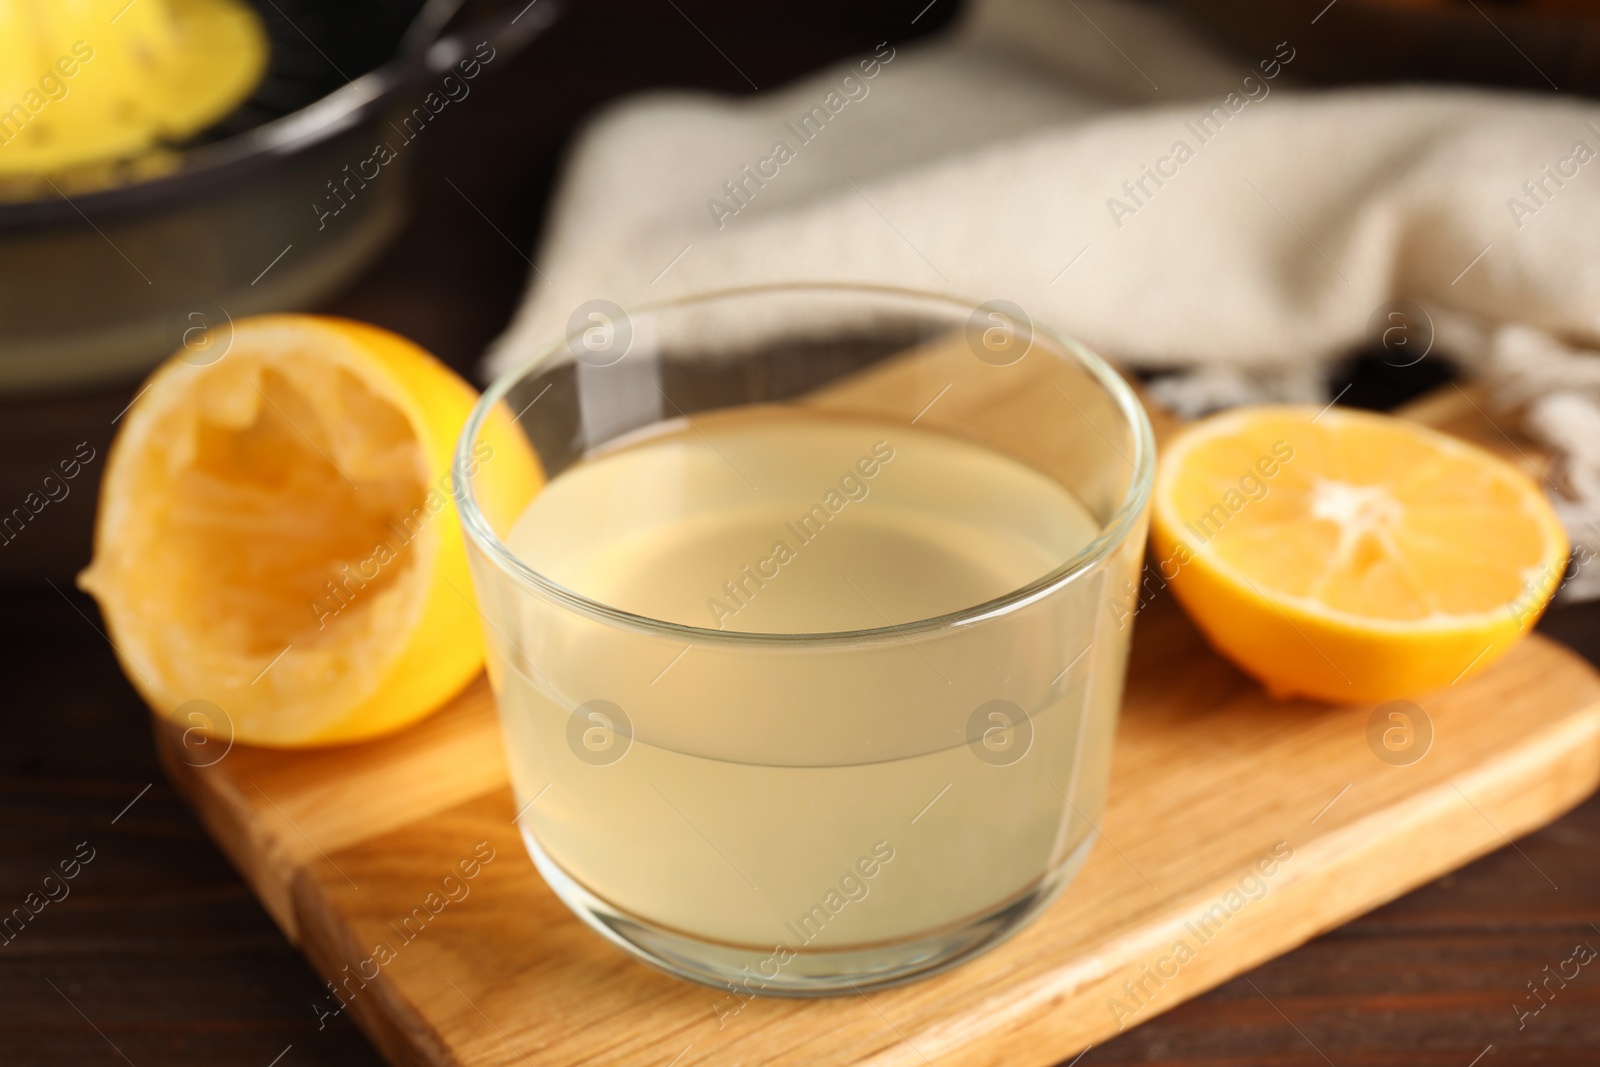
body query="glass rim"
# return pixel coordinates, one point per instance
(1111, 537)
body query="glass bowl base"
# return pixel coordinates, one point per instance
(784, 972)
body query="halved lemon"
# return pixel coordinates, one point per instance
(101, 80)
(277, 532)
(1350, 557)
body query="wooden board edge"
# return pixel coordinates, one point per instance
(228, 820)
(260, 838)
(401, 1033)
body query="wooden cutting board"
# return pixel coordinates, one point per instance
(1236, 828)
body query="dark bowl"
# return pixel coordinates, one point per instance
(267, 211)
(271, 209)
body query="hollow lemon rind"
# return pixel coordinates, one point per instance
(443, 647)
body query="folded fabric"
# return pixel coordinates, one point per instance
(1096, 165)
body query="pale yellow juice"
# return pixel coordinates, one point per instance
(819, 794)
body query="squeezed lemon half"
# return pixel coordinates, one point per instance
(88, 81)
(278, 535)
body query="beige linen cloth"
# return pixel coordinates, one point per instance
(1094, 163)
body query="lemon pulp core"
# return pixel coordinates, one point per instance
(277, 541)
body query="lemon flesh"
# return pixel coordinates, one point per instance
(93, 81)
(1351, 557)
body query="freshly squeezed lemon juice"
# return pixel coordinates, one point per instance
(694, 779)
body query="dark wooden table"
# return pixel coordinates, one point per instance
(160, 955)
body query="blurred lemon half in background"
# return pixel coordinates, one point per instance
(1347, 556)
(277, 531)
(86, 81)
